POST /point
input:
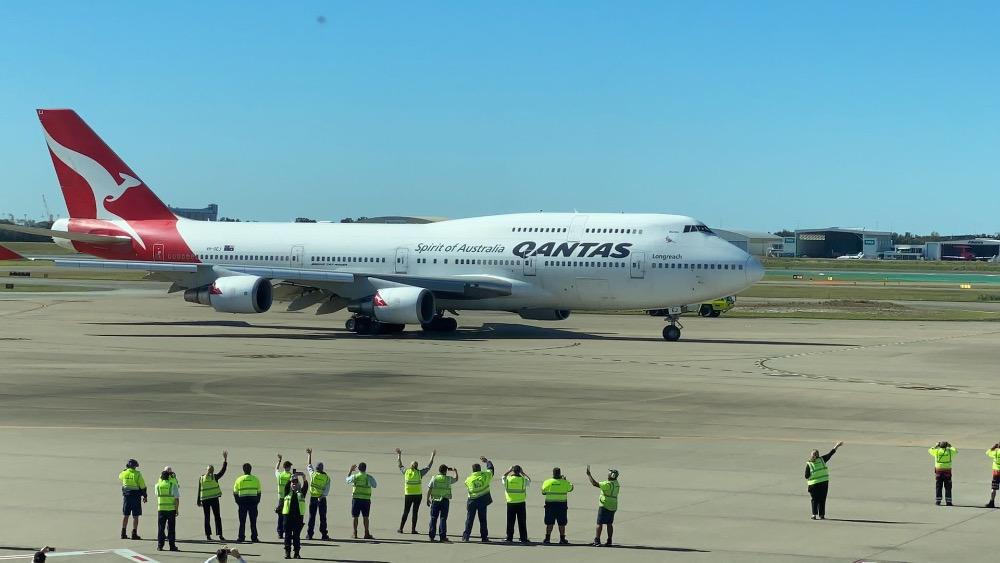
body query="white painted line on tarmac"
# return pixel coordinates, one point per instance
(126, 553)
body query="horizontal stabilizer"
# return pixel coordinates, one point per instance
(78, 237)
(8, 254)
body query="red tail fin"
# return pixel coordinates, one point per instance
(95, 182)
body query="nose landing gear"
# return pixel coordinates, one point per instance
(672, 332)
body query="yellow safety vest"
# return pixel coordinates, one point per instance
(818, 472)
(132, 480)
(942, 457)
(555, 490)
(995, 456)
(609, 495)
(411, 482)
(287, 506)
(318, 485)
(283, 478)
(209, 487)
(247, 486)
(440, 487)
(164, 496)
(516, 489)
(362, 487)
(478, 483)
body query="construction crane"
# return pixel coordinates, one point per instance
(48, 213)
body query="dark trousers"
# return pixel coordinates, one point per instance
(317, 505)
(211, 507)
(248, 507)
(166, 522)
(439, 511)
(942, 480)
(408, 501)
(293, 532)
(476, 507)
(281, 518)
(517, 511)
(817, 494)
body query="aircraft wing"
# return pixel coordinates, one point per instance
(8, 254)
(78, 237)
(186, 276)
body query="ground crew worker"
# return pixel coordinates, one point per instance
(515, 484)
(319, 489)
(994, 454)
(478, 486)
(247, 492)
(168, 503)
(943, 454)
(209, 494)
(412, 480)
(283, 474)
(225, 555)
(133, 495)
(40, 555)
(556, 490)
(361, 496)
(609, 504)
(818, 480)
(439, 500)
(293, 510)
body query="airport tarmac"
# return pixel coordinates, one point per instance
(710, 434)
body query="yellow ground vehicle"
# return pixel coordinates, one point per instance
(716, 307)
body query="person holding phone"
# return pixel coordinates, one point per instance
(293, 510)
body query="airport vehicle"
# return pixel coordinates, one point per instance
(715, 307)
(540, 266)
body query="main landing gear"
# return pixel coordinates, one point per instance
(440, 324)
(366, 325)
(672, 332)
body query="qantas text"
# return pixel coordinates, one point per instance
(569, 249)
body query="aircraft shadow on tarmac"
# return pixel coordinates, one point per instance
(863, 521)
(488, 331)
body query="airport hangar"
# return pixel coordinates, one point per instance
(752, 242)
(833, 242)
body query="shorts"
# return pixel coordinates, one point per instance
(360, 507)
(605, 516)
(555, 513)
(131, 504)
(996, 480)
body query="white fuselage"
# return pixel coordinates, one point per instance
(570, 261)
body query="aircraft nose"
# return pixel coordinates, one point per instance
(754, 269)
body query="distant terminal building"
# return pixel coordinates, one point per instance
(981, 249)
(399, 220)
(751, 242)
(210, 213)
(834, 242)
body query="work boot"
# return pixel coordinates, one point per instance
(990, 505)
(546, 541)
(949, 503)
(309, 536)
(326, 537)
(414, 531)
(369, 537)
(563, 541)
(597, 542)
(174, 548)
(124, 535)
(135, 535)
(221, 538)
(938, 502)
(208, 538)
(400, 530)
(444, 539)
(297, 556)
(607, 543)
(288, 555)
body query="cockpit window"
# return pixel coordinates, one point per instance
(698, 229)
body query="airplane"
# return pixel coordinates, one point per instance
(540, 266)
(857, 256)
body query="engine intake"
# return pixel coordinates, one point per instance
(399, 305)
(234, 294)
(544, 314)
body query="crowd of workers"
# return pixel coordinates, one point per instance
(301, 495)
(818, 475)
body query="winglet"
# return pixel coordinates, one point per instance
(8, 254)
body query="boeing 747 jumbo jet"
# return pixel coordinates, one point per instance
(540, 266)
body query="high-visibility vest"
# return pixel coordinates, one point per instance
(165, 496)
(411, 481)
(440, 487)
(283, 478)
(515, 489)
(317, 487)
(287, 506)
(247, 486)
(209, 487)
(555, 490)
(942, 457)
(609, 495)
(362, 487)
(995, 456)
(132, 480)
(818, 472)
(478, 483)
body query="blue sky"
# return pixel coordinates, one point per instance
(756, 115)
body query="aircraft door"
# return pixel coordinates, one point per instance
(529, 265)
(158, 252)
(402, 260)
(575, 233)
(637, 269)
(296, 257)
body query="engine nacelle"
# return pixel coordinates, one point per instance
(399, 305)
(234, 294)
(544, 314)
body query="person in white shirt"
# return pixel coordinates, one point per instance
(319, 490)
(226, 555)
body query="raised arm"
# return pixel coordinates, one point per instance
(434, 454)
(309, 456)
(592, 480)
(225, 465)
(455, 471)
(399, 458)
(277, 466)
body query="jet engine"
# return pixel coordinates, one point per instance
(234, 294)
(399, 305)
(544, 314)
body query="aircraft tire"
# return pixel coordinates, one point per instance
(705, 310)
(715, 313)
(671, 333)
(351, 325)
